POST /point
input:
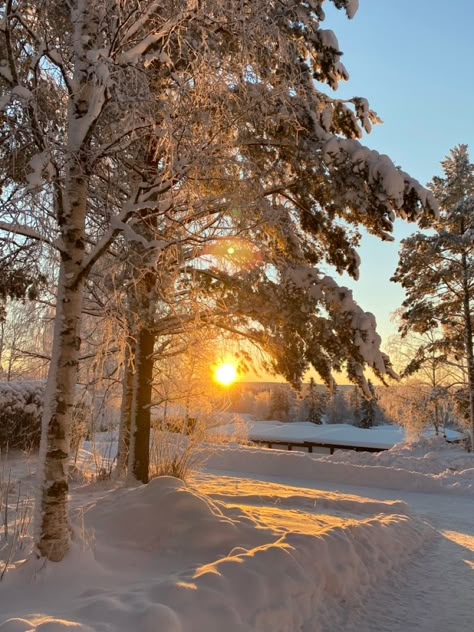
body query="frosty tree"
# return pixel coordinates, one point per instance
(436, 372)
(314, 403)
(437, 272)
(223, 96)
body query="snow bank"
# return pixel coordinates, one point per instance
(315, 574)
(232, 490)
(347, 467)
(165, 557)
(426, 455)
(163, 516)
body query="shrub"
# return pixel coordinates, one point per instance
(21, 406)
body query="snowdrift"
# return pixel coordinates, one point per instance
(432, 467)
(165, 557)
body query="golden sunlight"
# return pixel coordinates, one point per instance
(225, 373)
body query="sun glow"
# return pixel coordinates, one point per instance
(225, 373)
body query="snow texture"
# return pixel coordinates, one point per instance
(204, 556)
(17, 398)
(166, 557)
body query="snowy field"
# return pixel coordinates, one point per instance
(261, 541)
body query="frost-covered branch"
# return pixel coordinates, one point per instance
(25, 231)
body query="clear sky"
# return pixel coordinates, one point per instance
(414, 61)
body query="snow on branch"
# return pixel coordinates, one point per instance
(395, 185)
(25, 231)
(40, 164)
(136, 54)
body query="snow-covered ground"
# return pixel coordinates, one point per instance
(264, 541)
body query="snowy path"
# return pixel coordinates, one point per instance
(434, 592)
(434, 595)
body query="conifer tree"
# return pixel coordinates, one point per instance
(437, 271)
(279, 404)
(316, 403)
(355, 404)
(368, 409)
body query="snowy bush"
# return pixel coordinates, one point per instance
(21, 406)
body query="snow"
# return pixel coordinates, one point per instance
(382, 437)
(394, 182)
(37, 163)
(263, 540)
(337, 469)
(328, 39)
(351, 8)
(22, 93)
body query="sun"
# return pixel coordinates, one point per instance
(225, 373)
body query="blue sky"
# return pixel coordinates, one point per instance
(414, 61)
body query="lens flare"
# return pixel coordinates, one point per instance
(234, 254)
(225, 373)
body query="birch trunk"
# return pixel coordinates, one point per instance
(52, 525)
(52, 531)
(53, 528)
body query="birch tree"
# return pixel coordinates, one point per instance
(72, 96)
(437, 373)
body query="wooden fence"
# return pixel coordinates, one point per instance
(309, 445)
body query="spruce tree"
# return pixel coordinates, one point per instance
(315, 403)
(355, 404)
(279, 404)
(368, 409)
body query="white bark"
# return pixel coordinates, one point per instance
(52, 526)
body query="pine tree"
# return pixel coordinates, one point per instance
(437, 271)
(226, 94)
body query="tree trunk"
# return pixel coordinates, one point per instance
(126, 410)
(2, 338)
(139, 461)
(468, 344)
(52, 525)
(436, 419)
